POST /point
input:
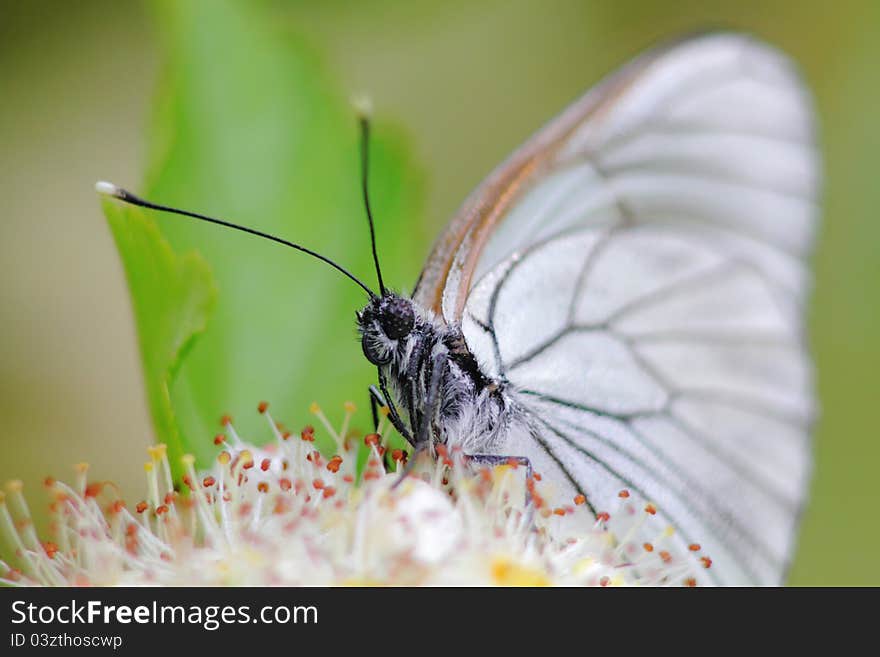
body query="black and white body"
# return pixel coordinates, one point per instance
(620, 304)
(436, 381)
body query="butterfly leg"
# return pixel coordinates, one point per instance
(393, 415)
(424, 441)
(411, 375)
(495, 460)
(439, 365)
(376, 402)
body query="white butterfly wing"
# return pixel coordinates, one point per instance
(637, 273)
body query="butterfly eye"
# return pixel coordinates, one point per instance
(397, 318)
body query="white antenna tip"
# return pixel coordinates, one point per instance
(363, 105)
(106, 188)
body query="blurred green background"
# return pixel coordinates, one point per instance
(456, 86)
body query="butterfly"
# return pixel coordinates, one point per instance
(620, 304)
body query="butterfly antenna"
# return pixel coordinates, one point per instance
(365, 168)
(109, 189)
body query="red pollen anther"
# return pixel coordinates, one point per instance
(317, 484)
(329, 492)
(169, 498)
(285, 435)
(690, 582)
(537, 476)
(226, 420)
(370, 475)
(51, 549)
(707, 562)
(141, 507)
(219, 439)
(263, 487)
(665, 556)
(349, 479)
(262, 407)
(161, 509)
(651, 509)
(604, 581)
(264, 464)
(284, 484)
(131, 529)
(335, 462)
(580, 499)
(603, 516)
(442, 451)
(648, 547)
(372, 439)
(308, 433)
(208, 481)
(117, 506)
(93, 490)
(48, 482)
(559, 511)
(694, 547)
(397, 454)
(188, 482)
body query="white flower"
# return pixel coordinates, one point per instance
(288, 515)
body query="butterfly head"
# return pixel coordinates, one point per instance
(383, 323)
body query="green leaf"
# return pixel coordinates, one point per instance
(172, 297)
(249, 127)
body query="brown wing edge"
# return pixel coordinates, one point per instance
(488, 203)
